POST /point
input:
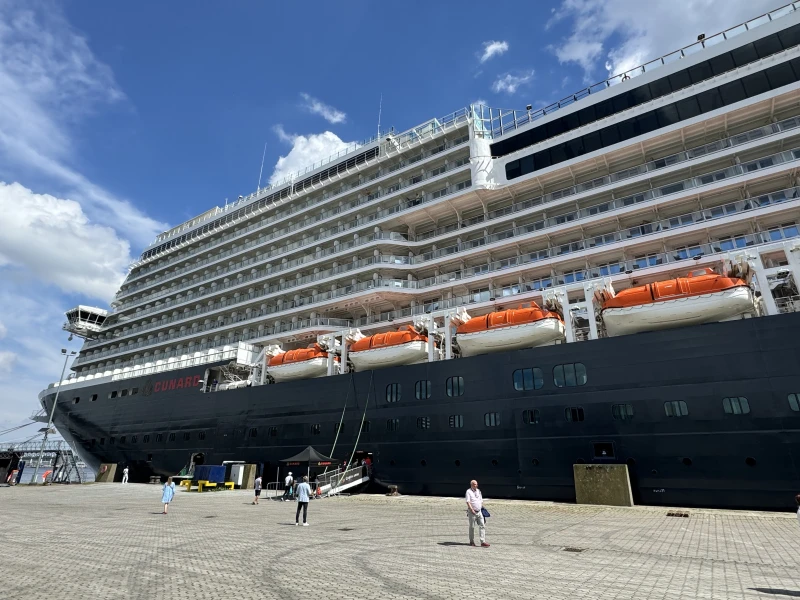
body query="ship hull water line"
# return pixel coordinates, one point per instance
(499, 294)
(705, 458)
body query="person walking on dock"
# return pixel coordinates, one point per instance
(257, 488)
(475, 513)
(168, 493)
(125, 475)
(287, 486)
(303, 496)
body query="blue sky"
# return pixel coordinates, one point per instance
(118, 120)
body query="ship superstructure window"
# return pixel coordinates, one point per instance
(123, 393)
(709, 100)
(456, 421)
(146, 438)
(111, 440)
(569, 375)
(201, 435)
(393, 392)
(122, 439)
(794, 402)
(159, 437)
(422, 389)
(573, 414)
(676, 408)
(113, 394)
(93, 398)
(737, 405)
(392, 424)
(253, 432)
(423, 423)
(134, 391)
(455, 386)
(316, 429)
(530, 417)
(273, 431)
(528, 379)
(171, 437)
(134, 439)
(187, 436)
(491, 419)
(622, 412)
(76, 399)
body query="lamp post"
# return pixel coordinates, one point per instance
(52, 412)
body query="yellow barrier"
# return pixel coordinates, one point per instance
(228, 485)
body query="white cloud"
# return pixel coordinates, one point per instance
(479, 101)
(3, 330)
(52, 239)
(326, 111)
(306, 150)
(492, 49)
(509, 83)
(49, 81)
(7, 360)
(620, 35)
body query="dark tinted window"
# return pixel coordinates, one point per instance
(253, 432)
(530, 417)
(732, 92)
(710, 100)
(113, 394)
(573, 413)
(780, 75)
(94, 397)
(569, 375)
(721, 64)
(422, 389)
(700, 72)
(423, 423)
(768, 46)
(134, 391)
(316, 429)
(660, 87)
(755, 84)
(687, 108)
(134, 439)
(146, 438)
(393, 392)
(392, 424)
(676, 408)
(744, 55)
(159, 437)
(737, 405)
(171, 437)
(528, 379)
(794, 402)
(622, 412)
(680, 80)
(201, 435)
(123, 393)
(790, 37)
(456, 421)
(273, 431)
(491, 419)
(454, 386)
(187, 436)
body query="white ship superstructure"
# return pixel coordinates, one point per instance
(682, 163)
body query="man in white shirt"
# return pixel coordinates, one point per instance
(474, 500)
(287, 486)
(257, 488)
(125, 475)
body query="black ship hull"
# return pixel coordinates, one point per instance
(435, 445)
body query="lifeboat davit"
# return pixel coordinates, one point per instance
(510, 329)
(404, 347)
(701, 297)
(303, 363)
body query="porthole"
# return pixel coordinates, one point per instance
(687, 462)
(535, 462)
(424, 463)
(750, 461)
(458, 463)
(494, 462)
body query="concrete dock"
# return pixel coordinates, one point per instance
(109, 541)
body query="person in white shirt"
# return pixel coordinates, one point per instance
(257, 488)
(797, 499)
(125, 475)
(287, 486)
(474, 500)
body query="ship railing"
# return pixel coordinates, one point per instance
(788, 304)
(668, 161)
(493, 122)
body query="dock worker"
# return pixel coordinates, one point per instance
(287, 487)
(474, 500)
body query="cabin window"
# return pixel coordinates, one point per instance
(111, 440)
(134, 439)
(76, 399)
(736, 405)
(530, 417)
(122, 439)
(422, 389)
(102, 441)
(201, 435)
(187, 436)
(365, 427)
(171, 437)
(113, 394)
(134, 391)
(423, 423)
(676, 408)
(273, 432)
(455, 386)
(569, 375)
(94, 397)
(146, 438)
(316, 429)
(794, 402)
(622, 412)
(253, 432)
(123, 393)
(491, 419)
(392, 424)
(528, 379)
(457, 421)
(573, 413)
(393, 392)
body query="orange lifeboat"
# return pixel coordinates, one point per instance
(302, 363)
(701, 297)
(403, 347)
(509, 329)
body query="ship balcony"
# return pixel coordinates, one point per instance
(687, 257)
(610, 209)
(413, 186)
(743, 142)
(397, 145)
(785, 200)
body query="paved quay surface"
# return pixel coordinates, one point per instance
(109, 541)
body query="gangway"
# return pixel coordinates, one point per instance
(336, 482)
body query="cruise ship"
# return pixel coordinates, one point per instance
(497, 294)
